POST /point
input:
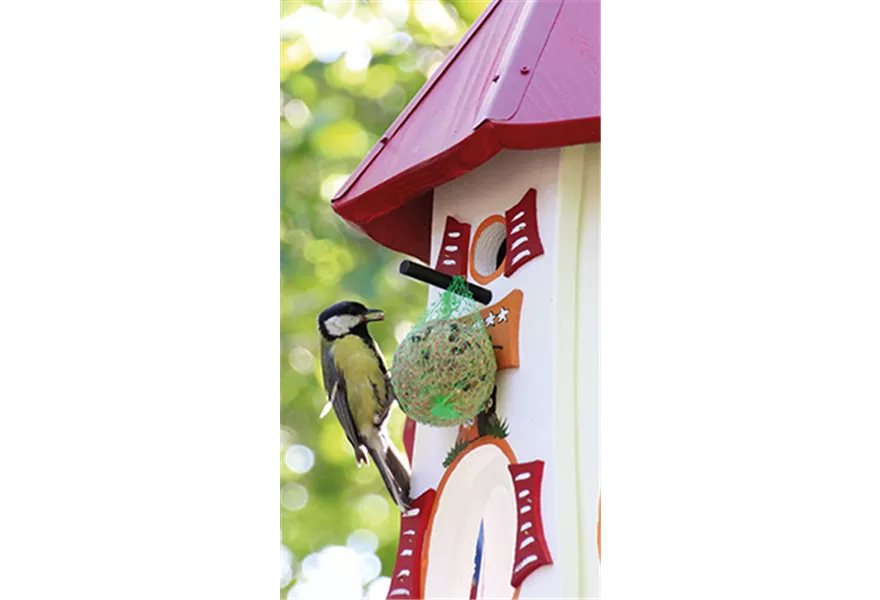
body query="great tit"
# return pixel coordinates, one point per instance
(359, 390)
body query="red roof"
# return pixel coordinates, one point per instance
(524, 76)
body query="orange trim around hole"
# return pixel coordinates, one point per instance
(426, 543)
(484, 279)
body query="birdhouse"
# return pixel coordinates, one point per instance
(491, 174)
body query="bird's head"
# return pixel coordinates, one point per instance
(344, 317)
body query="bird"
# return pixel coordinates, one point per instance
(359, 390)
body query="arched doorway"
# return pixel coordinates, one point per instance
(476, 494)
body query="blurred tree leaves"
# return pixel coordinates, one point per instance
(348, 67)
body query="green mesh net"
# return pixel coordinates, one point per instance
(444, 370)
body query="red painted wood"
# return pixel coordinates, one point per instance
(538, 20)
(414, 217)
(523, 240)
(531, 550)
(453, 256)
(406, 579)
(409, 437)
(480, 100)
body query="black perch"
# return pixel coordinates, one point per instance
(441, 280)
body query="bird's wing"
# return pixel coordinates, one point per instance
(334, 383)
(328, 368)
(389, 398)
(385, 404)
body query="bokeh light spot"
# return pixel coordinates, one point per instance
(436, 20)
(294, 496)
(397, 11)
(433, 67)
(370, 567)
(378, 34)
(311, 566)
(299, 459)
(299, 592)
(297, 113)
(400, 42)
(358, 57)
(288, 566)
(363, 541)
(378, 590)
(334, 572)
(331, 185)
(287, 436)
(301, 360)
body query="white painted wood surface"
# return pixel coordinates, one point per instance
(551, 401)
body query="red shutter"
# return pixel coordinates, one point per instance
(531, 549)
(523, 241)
(453, 256)
(406, 580)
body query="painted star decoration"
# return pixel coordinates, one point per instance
(501, 317)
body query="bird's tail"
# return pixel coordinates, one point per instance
(392, 467)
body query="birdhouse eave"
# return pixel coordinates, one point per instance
(525, 76)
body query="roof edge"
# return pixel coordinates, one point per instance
(414, 103)
(372, 210)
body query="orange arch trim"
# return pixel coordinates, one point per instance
(483, 441)
(484, 279)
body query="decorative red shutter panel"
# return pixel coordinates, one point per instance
(453, 256)
(531, 549)
(523, 241)
(406, 580)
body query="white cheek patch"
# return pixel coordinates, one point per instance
(341, 324)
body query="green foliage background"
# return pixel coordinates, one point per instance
(331, 115)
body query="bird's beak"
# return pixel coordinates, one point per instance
(374, 315)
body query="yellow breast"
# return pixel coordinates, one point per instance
(359, 366)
